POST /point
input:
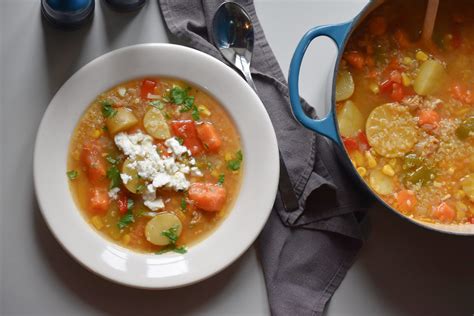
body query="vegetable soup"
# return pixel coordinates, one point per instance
(155, 164)
(406, 109)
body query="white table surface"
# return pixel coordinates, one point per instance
(402, 269)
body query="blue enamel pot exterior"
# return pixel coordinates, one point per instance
(328, 126)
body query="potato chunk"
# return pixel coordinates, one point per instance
(344, 86)
(132, 182)
(350, 120)
(121, 121)
(381, 183)
(429, 78)
(163, 229)
(391, 130)
(155, 124)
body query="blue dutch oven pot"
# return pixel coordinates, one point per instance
(327, 126)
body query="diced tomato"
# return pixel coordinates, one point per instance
(148, 86)
(428, 117)
(386, 86)
(122, 202)
(396, 76)
(363, 141)
(397, 92)
(92, 159)
(99, 199)
(350, 144)
(378, 26)
(355, 59)
(444, 213)
(209, 137)
(462, 94)
(406, 201)
(207, 196)
(187, 131)
(470, 219)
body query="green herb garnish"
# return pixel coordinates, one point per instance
(107, 109)
(180, 140)
(184, 204)
(113, 174)
(171, 234)
(195, 113)
(157, 104)
(72, 174)
(178, 95)
(180, 249)
(234, 164)
(128, 217)
(221, 179)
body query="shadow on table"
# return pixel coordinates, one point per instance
(419, 272)
(114, 299)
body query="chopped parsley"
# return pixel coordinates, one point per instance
(128, 217)
(179, 95)
(195, 113)
(157, 104)
(111, 159)
(220, 180)
(171, 234)
(184, 204)
(180, 249)
(113, 174)
(72, 174)
(180, 140)
(107, 109)
(235, 163)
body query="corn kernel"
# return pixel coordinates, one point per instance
(362, 171)
(406, 80)
(204, 110)
(371, 162)
(358, 158)
(228, 157)
(388, 170)
(374, 88)
(421, 55)
(97, 222)
(459, 194)
(126, 239)
(96, 133)
(407, 61)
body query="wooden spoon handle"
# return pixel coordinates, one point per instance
(430, 19)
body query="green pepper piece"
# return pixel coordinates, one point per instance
(465, 129)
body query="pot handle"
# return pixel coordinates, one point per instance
(325, 126)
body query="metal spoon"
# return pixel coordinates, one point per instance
(234, 36)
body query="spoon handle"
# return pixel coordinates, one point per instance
(244, 65)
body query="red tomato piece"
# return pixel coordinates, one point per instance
(209, 137)
(363, 141)
(397, 92)
(148, 86)
(186, 130)
(444, 213)
(470, 219)
(350, 144)
(99, 199)
(207, 196)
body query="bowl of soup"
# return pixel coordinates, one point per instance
(402, 110)
(148, 166)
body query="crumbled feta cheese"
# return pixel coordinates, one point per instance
(155, 205)
(122, 91)
(175, 146)
(125, 178)
(113, 193)
(196, 172)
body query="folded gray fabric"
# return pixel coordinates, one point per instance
(306, 253)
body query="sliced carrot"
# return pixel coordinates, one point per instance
(355, 59)
(92, 159)
(378, 26)
(444, 213)
(122, 202)
(99, 199)
(186, 130)
(209, 137)
(207, 196)
(406, 201)
(428, 117)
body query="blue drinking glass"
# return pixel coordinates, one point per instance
(67, 13)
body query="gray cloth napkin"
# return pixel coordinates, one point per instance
(306, 253)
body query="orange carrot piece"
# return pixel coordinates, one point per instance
(444, 213)
(91, 157)
(207, 196)
(406, 201)
(209, 137)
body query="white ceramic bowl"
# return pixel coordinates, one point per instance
(229, 240)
